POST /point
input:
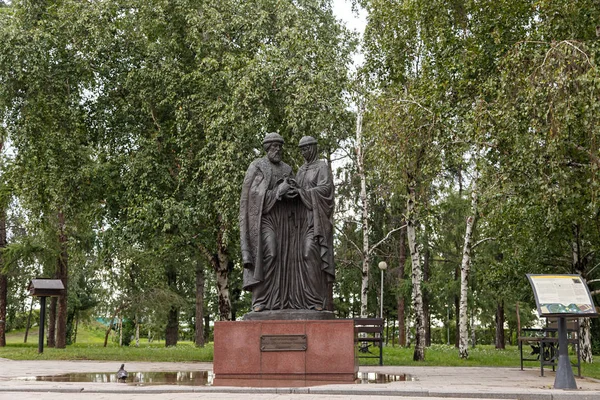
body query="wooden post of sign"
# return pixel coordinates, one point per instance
(42, 323)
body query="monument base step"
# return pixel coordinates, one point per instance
(288, 315)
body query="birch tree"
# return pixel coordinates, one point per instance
(3, 206)
(364, 201)
(366, 248)
(3, 242)
(464, 271)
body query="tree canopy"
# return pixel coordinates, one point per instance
(126, 127)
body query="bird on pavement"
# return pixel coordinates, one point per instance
(122, 374)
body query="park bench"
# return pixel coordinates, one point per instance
(544, 343)
(368, 333)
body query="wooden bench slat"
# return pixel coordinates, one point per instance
(372, 329)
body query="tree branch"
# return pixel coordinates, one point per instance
(152, 114)
(349, 240)
(385, 238)
(481, 241)
(593, 268)
(595, 159)
(209, 256)
(417, 104)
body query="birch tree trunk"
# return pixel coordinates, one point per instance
(121, 331)
(585, 340)
(473, 330)
(426, 313)
(220, 264)
(3, 279)
(417, 277)
(76, 327)
(223, 285)
(463, 335)
(457, 311)
(137, 331)
(364, 287)
(401, 302)
(199, 320)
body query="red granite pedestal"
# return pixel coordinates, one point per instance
(328, 357)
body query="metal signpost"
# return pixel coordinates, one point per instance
(562, 296)
(43, 288)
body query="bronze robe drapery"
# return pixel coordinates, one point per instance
(315, 266)
(265, 220)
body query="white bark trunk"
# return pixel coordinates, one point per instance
(417, 278)
(473, 331)
(199, 315)
(137, 332)
(220, 265)
(120, 331)
(223, 287)
(585, 340)
(407, 334)
(364, 202)
(463, 334)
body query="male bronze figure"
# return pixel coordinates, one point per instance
(264, 225)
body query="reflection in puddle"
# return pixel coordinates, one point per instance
(374, 377)
(189, 378)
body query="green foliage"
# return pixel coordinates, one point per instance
(136, 119)
(505, 88)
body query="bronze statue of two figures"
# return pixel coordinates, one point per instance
(287, 232)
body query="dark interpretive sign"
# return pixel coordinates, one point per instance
(558, 295)
(283, 343)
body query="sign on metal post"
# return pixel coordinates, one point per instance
(562, 296)
(558, 295)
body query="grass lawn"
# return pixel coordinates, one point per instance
(90, 342)
(90, 346)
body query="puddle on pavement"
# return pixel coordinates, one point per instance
(373, 377)
(187, 378)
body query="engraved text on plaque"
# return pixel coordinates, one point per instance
(283, 343)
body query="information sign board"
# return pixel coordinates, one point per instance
(561, 295)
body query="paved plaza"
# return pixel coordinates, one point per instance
(18, 381)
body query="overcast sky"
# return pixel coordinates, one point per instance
(353, 20)
(343, 10)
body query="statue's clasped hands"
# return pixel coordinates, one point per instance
(288, 188)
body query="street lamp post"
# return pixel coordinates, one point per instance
(382, 267)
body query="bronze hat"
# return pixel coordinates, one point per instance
(307, 140)
(273, 137)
